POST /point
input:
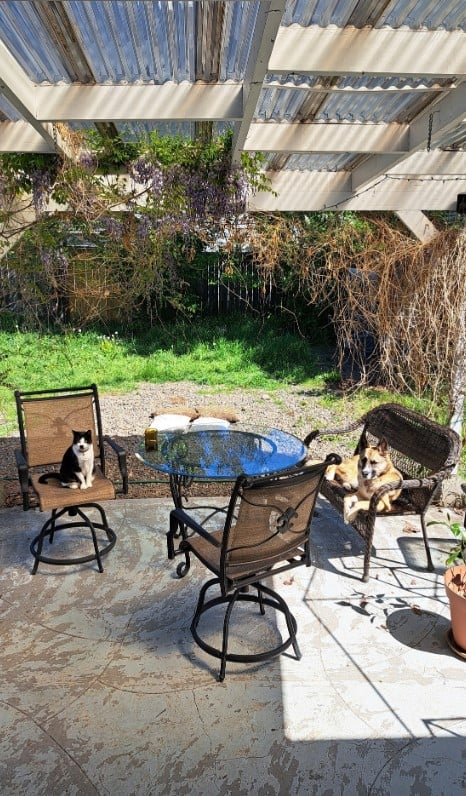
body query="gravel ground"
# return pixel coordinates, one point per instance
(125, 417)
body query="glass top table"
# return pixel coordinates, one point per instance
(197, 454)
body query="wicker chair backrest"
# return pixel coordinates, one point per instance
(417, 444)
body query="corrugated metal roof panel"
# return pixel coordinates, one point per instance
(358, 98)
(29, 41)
(453, 140)
(137, 42)
(427, 14)
(122, 42)
(312, 162)
(240, 21)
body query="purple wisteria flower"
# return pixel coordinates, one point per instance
(87, 160)
(113, 227)
(146, 173)
(40, 184)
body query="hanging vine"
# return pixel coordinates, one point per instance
(116, 223)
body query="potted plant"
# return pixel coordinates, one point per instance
(455, 584)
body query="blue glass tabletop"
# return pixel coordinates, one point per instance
(223, 454)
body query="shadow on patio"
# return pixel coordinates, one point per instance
(104, 692)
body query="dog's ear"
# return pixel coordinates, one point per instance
(382, 447)
(362, 444)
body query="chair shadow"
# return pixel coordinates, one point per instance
(421, 630)
(414, 555)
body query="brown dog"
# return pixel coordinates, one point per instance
(345, 473)
(366, 472)
(375, 469)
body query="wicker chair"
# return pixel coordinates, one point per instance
(425, 453)
(266, 531)
(46, 419)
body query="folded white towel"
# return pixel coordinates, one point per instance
(165, 422)
(209, 423)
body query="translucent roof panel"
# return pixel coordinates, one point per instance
(426, 14)
(349, 88)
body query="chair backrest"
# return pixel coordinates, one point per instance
(268, 519)
(418, 445)
(47, 418)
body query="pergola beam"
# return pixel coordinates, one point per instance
(170, 101)
(20, 93)
(267, 26)
(327, 137)
(307, 191)
(418, 223)
(22, 137)
(428, 128)
(369, 51)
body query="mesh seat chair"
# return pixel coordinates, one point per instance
(266, 532)
(46, 419)
(424, 452)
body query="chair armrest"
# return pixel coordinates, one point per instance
(121, 454)
(333, 432)
(23, 475)
(180, 517)
(429, 482)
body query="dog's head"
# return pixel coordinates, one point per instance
(82, 440)
(373, 459)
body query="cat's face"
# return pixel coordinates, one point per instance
(82, 440)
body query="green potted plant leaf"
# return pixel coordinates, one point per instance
(455, 583)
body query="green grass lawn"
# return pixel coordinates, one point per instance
(237, 352)
(243, 354)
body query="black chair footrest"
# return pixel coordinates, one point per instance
(267, 598)
(53, 526)
(75, 560)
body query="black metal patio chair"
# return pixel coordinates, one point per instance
(266, 532)
(46, 420)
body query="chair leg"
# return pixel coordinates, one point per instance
(261, 601)
(55, 515)
(430, 565)
(177, 530)
(226, 627)
(87, 521)
(48, 529)
(52, 526)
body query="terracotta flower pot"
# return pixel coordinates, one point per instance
(457, 597)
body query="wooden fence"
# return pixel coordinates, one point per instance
(245, 288)
(82, 291)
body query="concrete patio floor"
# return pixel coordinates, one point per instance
(103, 690)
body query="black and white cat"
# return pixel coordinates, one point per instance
(77, 466)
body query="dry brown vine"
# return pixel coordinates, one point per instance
(409, 296)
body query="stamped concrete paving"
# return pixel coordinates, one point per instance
(104, 692)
